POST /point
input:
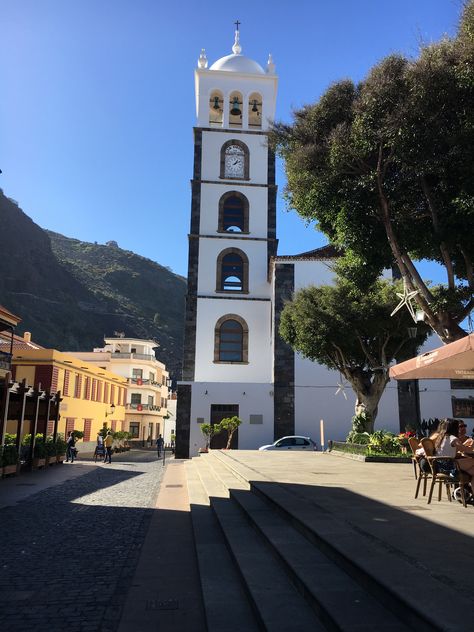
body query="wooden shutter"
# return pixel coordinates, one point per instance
(66, 383)
(106, 392)
(69, 424)
(87, 429)
(43, 376)
(87, 388)
(114, 424)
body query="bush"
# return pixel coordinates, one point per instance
(8, 455)
(361, 438)
(40, 448)
(383, 442)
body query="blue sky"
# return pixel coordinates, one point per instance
(97, 104)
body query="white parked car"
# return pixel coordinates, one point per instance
(292, 443)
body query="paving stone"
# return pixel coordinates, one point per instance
(72, 548)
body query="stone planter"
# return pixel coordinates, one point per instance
(60, 458)
(37, 463)
(51, 460)
(8, 470)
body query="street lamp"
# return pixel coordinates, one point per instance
(111, 411)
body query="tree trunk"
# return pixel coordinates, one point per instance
(368, 389)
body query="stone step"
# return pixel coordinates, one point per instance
(324, 585)
(226, 604)
(278, 604)
(380, 569)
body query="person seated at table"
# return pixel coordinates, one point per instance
(463, 438)
(451, 446)
(436, 437)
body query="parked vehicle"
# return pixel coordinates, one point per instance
(292, 443)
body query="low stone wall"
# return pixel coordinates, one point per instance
(370, 459)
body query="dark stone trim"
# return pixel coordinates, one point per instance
(197, 154)
(231, 130)
(195, 207)
(408, 404)
(234, 298)
(191, 312)
(231, 236)
(271, 166)
(240, 183)
(284, 361)
(183, 421)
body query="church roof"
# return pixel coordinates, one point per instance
(236, 62)
(325, 252)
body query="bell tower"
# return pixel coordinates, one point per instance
(227, 367)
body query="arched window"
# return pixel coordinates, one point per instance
(232, 271)
(255, 110)
(231, 339)
(216, 103)
(235, 109)
(233, 213)
(235, 160)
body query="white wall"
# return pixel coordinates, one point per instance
(258, 400)
(257, 316)
(258, 200)
(211, 156)
(256, 251)
(208, 80)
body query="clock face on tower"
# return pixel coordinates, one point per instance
(234, 162)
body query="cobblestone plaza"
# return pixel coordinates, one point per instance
(69, 551)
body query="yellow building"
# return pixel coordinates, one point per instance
(91, 396)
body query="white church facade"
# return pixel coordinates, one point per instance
(235, 362)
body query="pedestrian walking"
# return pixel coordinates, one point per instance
(108, 441)
(159, 445)
(70, 449)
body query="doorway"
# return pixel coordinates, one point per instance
(218, 413)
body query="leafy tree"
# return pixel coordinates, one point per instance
(351, 331)
(230, 425)
(209, 430)
(386, 169)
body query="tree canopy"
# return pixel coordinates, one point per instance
(386, 168)
(351, 331)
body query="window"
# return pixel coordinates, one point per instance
(136, 398)
(233, 213)
(284, 443)
(255, 110)
(137, 373)
(150, 400)
(231, 339)
(234, 160)
(151, 376)
(462, 384)
(232, 271)
(235, 109)
(216, 111)
(135, 429)
(301, 441)
(463, 407)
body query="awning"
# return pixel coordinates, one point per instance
(453, 361)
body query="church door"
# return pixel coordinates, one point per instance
(219, 412)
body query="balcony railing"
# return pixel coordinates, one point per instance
(143, 407)
(133, 356)
(5, 361)
(143, 382)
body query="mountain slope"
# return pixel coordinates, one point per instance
(71, 293)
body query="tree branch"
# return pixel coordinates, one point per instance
(442, 246)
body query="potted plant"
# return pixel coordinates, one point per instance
(230, 425)
(209, 430)
(50, 450)
(9, 456)
(61, 448)
(39, 455)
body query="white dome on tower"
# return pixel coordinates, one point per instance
(236, 62)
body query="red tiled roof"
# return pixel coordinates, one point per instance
(18, 343)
